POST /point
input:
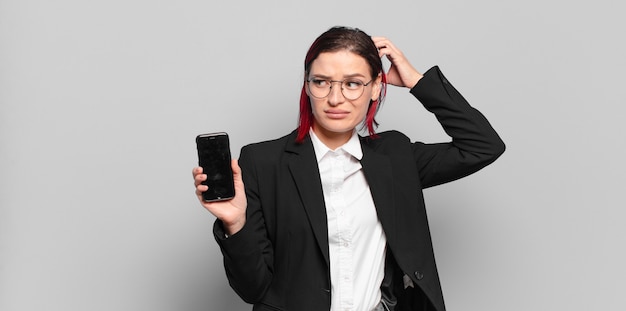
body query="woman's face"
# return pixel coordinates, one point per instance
(335, 116)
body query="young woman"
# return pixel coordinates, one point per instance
(324, 219)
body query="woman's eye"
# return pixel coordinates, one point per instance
(319, 82)
(353, 84)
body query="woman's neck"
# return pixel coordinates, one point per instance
(332, 140)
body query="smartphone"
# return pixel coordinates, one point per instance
(214, 158)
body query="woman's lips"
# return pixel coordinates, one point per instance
(336, 113)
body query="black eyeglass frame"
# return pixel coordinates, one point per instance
(330, 89)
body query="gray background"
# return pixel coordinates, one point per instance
(100, 102)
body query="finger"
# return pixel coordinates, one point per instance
(198, 179)
(236, 169)
(384, 43)
(381, 44)
(235, 166)
(378, 39)
(196, 170)
(237, 176)
(200, 189)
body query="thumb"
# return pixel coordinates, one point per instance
(234, 164)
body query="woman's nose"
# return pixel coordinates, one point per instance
(336, 96)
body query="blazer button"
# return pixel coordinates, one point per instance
(418, 275)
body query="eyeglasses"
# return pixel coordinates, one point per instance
(350, 88)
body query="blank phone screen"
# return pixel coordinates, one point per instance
(214, 158)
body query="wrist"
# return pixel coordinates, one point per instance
(233, 227)
(416, 79)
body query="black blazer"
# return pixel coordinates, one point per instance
(280, 261)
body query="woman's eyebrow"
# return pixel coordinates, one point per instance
(320, 76)
(353, 75)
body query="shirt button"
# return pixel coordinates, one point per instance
(418, 275)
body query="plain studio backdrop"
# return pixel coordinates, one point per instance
(100, 103)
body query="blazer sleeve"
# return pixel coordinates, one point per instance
(248, 254)
(475, 144)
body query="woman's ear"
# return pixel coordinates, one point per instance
(377, 87)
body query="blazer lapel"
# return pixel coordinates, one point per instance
(378, 172)
(305, 173)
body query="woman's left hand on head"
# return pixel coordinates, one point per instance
(401, 73)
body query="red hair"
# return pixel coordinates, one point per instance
(357, 42)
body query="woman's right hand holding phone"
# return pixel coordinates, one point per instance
(231, 213)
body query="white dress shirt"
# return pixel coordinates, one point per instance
(356, 238)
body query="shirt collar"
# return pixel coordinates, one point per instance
(352, 146)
